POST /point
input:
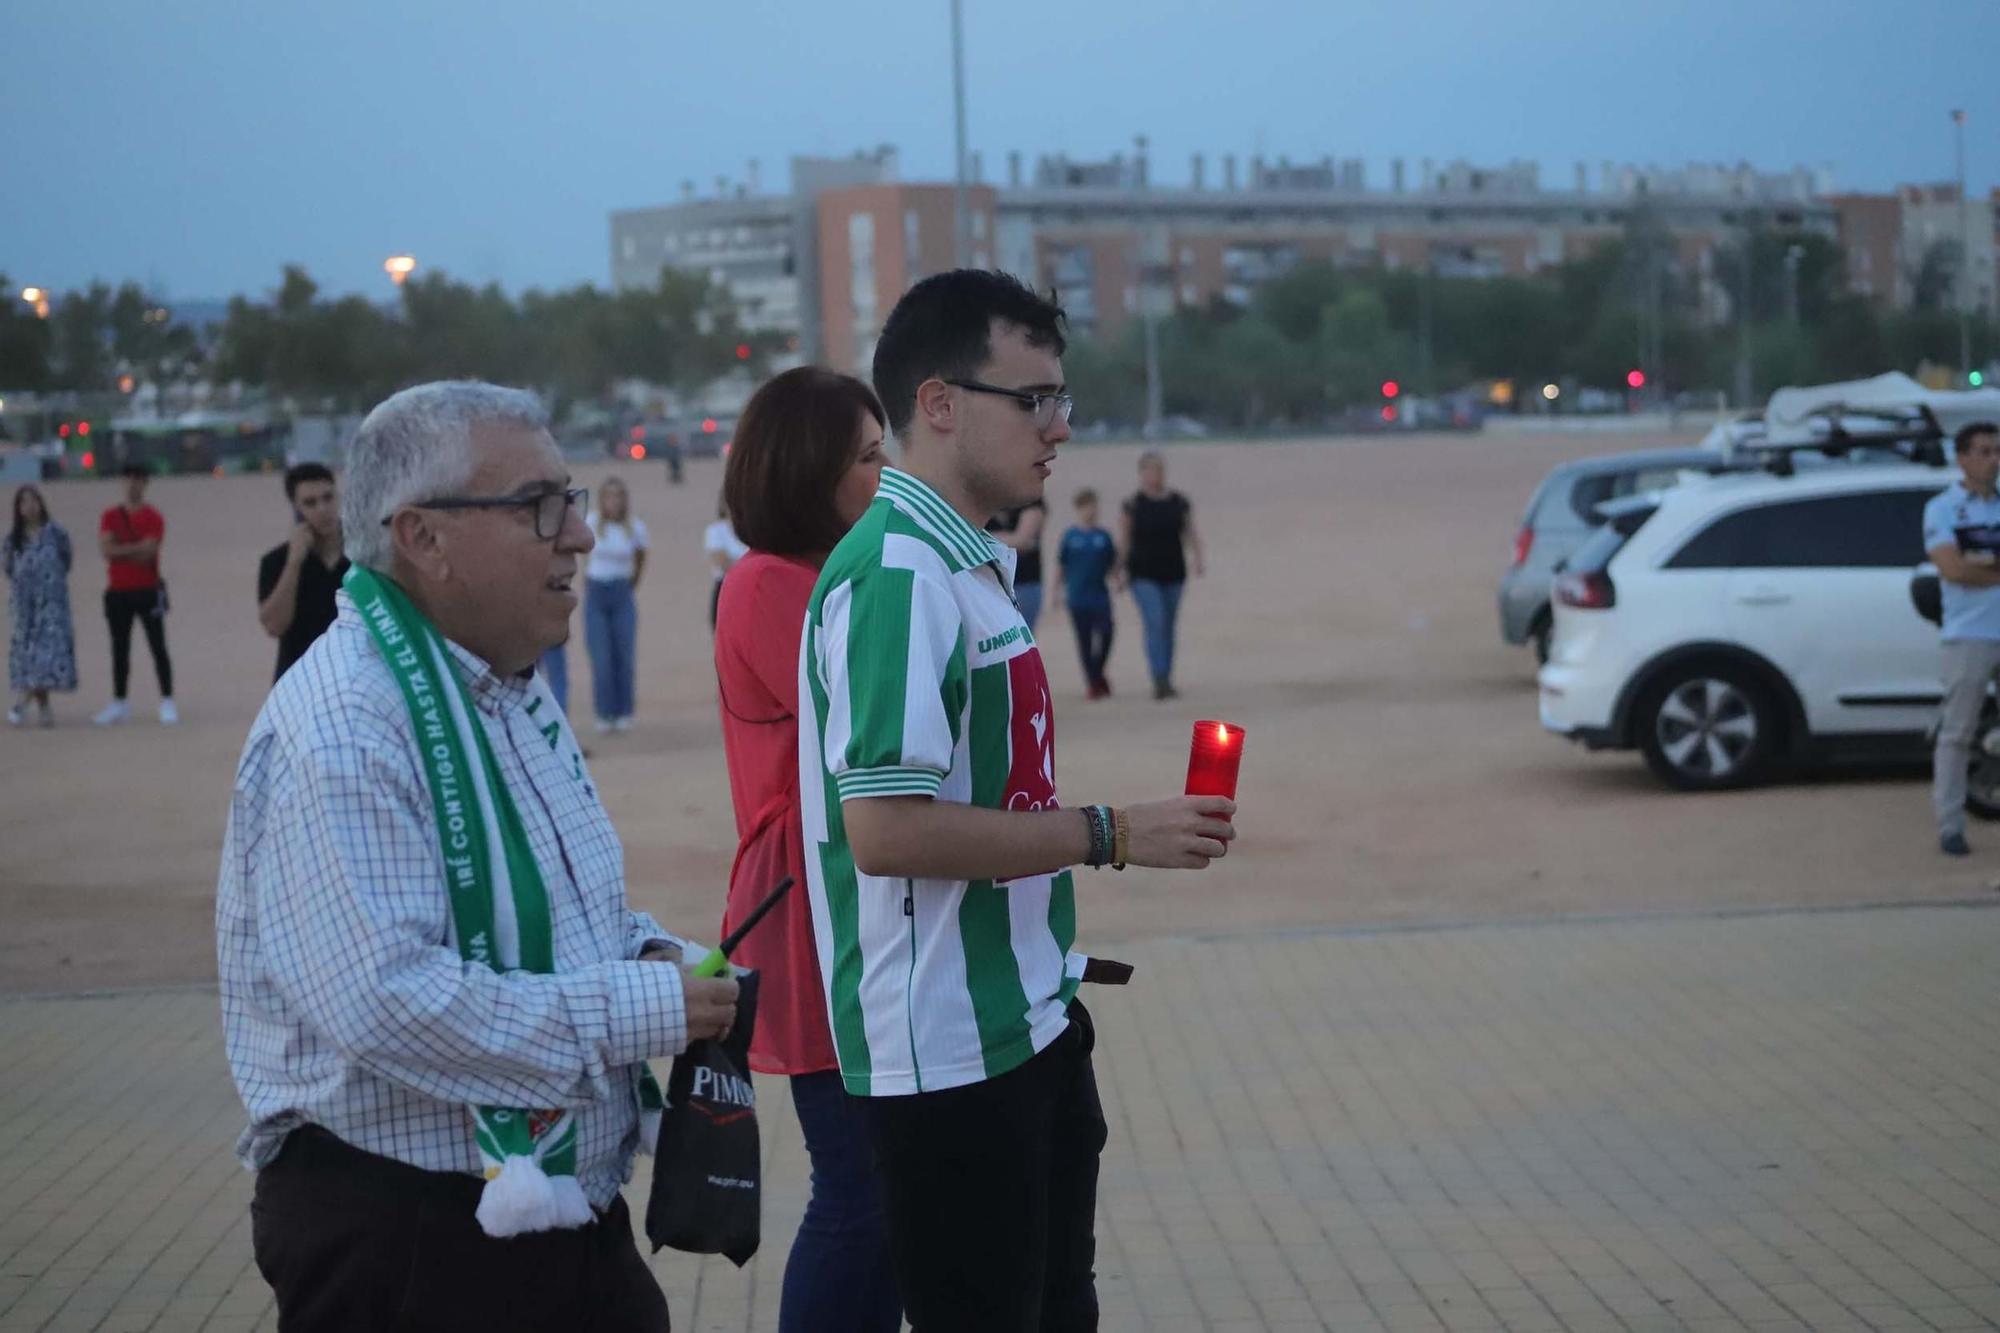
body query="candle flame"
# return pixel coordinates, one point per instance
(1222, 733)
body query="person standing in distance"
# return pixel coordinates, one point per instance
(1158, 537)
(723, 548)
(297, 578)
(610, 610)
(938, 853)
(129, 536)
(1089, 561)
(1021, 531)
(1962, 538)
(41, 657)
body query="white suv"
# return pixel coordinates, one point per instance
(1742, 619)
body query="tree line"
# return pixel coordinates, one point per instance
(346, 353)
(1321, 339)
(1305, 346)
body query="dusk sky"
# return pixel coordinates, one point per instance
(199, 145)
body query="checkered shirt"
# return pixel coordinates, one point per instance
(344, 1006)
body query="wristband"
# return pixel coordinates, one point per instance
(1101, 834)
(1121, 839)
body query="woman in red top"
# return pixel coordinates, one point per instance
(802, 469)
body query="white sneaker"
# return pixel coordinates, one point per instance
(16, 718)
(605, 726)
(168, 713)
(621, 724)
(115, 712)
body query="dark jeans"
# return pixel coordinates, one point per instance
(839, 1278)
(1159, 606)
(992, 1194)
(351, 1241)
(1093, 639)
(121, 608)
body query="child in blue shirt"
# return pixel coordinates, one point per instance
(1089, 560)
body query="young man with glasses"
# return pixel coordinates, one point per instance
(939, 855)
(1962, 538)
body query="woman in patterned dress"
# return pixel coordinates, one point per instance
(36, 556)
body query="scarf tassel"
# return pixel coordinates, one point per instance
(522, 1197)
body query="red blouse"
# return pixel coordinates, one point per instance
(757, 628)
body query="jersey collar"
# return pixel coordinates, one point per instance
(966, 546)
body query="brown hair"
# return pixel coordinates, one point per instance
(793, 443)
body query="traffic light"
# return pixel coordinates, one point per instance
(1635, 378)
(1391, 389)
(742, 351)
(83, 429)
(1976, 378)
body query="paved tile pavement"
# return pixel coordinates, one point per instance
(1773, 1122)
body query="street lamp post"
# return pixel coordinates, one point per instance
(1964, 250)
(1155, 302)
(961, 222)
(1745, 385)
(399, 268)
(37, 298)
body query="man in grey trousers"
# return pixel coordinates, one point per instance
(1962, 538)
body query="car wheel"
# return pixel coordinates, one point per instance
(1982, 775)
(1707, 728)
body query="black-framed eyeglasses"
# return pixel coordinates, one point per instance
(1045, 406)
(551, 508)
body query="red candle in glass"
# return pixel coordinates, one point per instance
(1213, 758)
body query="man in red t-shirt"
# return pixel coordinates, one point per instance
(129, 535)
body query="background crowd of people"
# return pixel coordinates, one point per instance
(1151, 556)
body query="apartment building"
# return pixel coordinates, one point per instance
(825, 260)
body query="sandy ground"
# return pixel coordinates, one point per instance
(1394, 770)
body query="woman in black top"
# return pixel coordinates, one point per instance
(1022, 529)
(1158, 537)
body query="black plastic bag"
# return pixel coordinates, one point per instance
(707, 1191)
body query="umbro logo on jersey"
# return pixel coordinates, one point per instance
(999, 641)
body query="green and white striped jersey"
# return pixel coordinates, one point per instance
(920, 678)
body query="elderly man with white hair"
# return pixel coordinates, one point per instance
(436, 1003)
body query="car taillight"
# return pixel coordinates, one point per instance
(1524, 542)
(1586, 592)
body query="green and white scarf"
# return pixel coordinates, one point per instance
(499, 907)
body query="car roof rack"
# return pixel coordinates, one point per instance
(1912, 432)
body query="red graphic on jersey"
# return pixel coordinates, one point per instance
(1031, 771)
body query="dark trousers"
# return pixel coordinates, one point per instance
(121, 608)
(1093, 640)
(351, 1241)
(992, 1195)
(839, 1278)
